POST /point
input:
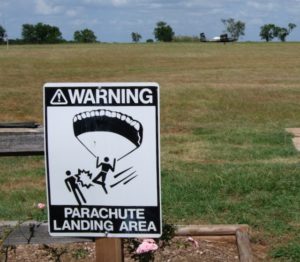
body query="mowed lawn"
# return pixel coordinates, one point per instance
(225, 155)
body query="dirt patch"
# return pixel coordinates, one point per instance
(180, 249)
(296, 133)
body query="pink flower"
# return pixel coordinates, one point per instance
(146, 246)
(41, 205)
(195, 242)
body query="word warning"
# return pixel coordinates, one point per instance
(103, 159)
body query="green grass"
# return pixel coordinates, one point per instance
(288, 252)
(22, 187)
(226, 157)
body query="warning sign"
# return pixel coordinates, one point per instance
(102, 159)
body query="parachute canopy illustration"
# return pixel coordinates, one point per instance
(106, 133)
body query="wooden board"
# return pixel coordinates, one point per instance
(21, 141)
(209, 230)
(244, 247)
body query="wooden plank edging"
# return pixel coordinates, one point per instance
(244, 247)
(209, 230)
(239, 231)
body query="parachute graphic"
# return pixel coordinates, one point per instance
(106, 133)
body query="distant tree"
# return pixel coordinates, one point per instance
(2, 34)
(235, 29)
(270, 31)
(282, 32)
(149, 40)
(291, 26)
(85, 36)
(163, 32)
(41, 34)
(28, 33)
(136, 37)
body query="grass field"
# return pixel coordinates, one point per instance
(226, 157)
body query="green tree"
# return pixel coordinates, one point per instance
(136, 37)
(163, 32)
(2, 34)
(41, 34)
(235, 29)
(282, 32)
(84, 36)
(28, 33)
(291, 26)
(268, 32)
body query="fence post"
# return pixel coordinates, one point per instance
(109, 250)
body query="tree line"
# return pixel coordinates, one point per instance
(41, 33)
(233, 28)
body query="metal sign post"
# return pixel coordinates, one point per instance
(102, 160)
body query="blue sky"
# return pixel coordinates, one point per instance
(114, 20)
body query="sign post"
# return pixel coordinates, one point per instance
(109, 250)
(102, 160)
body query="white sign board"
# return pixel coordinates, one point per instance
(102, 159)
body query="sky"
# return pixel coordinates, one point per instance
(115, 20)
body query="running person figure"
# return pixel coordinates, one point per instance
(105, 167)
(74, 188)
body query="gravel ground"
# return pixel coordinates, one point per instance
(180, 249)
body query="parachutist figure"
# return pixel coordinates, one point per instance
(105, 167)
(74, 188)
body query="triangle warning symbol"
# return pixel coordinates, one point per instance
(59, 98)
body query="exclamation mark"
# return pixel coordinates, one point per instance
(59, 97)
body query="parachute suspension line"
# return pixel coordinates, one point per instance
(127, 154)
(86, 147)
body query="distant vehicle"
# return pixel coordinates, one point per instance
(221, 39)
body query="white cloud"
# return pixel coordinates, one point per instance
(119, 2)
(71, 13)
(209, 3)
(82, 22)
(256, 22)
(108, 2)
(263, 6)
(43, 8)
(294, 9)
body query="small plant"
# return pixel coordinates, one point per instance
(143, 250)
(168, 232)
(55, 252)
(4, 252)
(80, 253)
